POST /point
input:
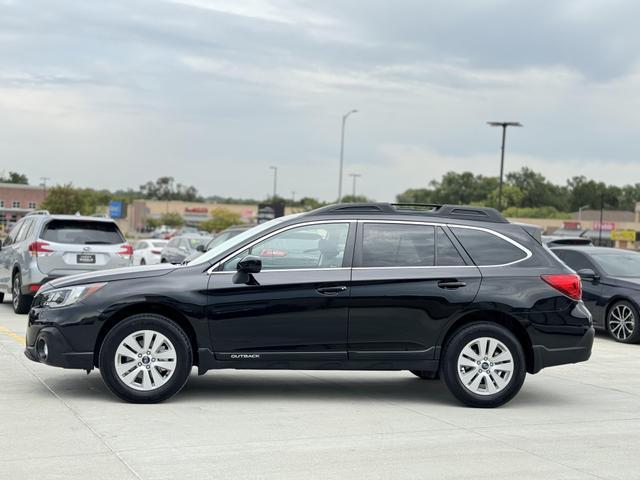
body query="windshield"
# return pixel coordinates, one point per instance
(239, 239)
(619, 264)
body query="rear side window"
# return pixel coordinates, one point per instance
(486, 248)
(446, 255)
(82, 232)
(398, 245)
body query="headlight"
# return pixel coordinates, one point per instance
(63, 297)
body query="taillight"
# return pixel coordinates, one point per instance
(126, 251)
(156, 252)
(39, 249)
(567, 283)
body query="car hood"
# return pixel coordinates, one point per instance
(126, 273)
(628, 282)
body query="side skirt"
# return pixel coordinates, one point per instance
(207, 361)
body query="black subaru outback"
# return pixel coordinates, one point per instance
(440, 290)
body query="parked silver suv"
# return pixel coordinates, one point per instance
(41, 247)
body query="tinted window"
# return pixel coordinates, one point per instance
(140, 246)
(618, 264)
(486, 248)
(446, 254)
(24, 231)
(82, 232)
(397, 245)
(575, 260)
(13, 234)
(310, 246)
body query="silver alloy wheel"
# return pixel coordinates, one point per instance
(485, 366)
(145, 360)
(622, 321)
(15, 291)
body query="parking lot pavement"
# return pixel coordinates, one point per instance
(570, 422)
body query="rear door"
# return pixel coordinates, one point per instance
(73, 246)
(408, 280)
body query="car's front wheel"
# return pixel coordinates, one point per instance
(145, 358)
(622, 322)
(483, 365)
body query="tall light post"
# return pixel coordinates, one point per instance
(504, 126)
(344, 121)
(580, 212)
(355, 177)
(275, 180)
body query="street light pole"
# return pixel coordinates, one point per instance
(355, 177)
(275, 180)
(504, 126)
(580, 212)
(344, 121)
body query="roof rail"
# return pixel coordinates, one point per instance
(463, 212)
(38, 212)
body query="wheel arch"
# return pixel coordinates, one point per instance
(149, 308)
(500, 318)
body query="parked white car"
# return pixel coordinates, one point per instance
(147, 252)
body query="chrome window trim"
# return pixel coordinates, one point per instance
(275, 232)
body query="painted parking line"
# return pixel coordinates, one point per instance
(13, 335)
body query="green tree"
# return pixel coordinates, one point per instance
(356, 199)
(171, 219)
(165, 188)
(221, 218)
(14, 177)
(64, 199)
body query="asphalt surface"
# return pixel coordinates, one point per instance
(571, 422)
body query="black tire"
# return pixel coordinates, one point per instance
(142, 261)
(163, 260)
(426, 374)
(157, 323)
(449, 365)
(1, 297)
(21, 303)
(619, 331)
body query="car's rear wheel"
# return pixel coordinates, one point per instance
(425, 374)
(143, 261)
(1, 297)
(21, 302)
(145, 358)
(622, 322)
(483, 365)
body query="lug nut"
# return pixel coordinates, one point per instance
(478, 362)
(149, 353)
(153, 360)
(148, 367)
(139, 355)
(139, 364)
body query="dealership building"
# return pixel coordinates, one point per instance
(16, 200)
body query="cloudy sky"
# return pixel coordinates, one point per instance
(113, 93)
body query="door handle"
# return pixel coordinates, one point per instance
(451, 284)
(331, 290)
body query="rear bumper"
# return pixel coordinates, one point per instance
(544, 357)
(59, 352)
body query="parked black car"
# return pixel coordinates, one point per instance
(181, 247)
(448, 290)
(611, 287)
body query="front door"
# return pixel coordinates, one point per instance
(297, 308)
(408, 280)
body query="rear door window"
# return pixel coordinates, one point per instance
(575, 260)
(82, 232)
(487, 249)
(397, 245)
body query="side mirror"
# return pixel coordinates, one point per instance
(245, 270)
(588, 274)
(201, 248)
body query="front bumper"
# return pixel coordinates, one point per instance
(58, 351)
(548, 357)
